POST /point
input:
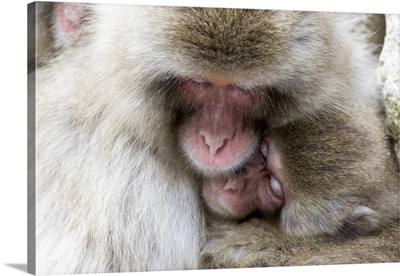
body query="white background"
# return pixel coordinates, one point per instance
(13, 125)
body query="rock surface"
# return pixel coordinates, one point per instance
(389, 76)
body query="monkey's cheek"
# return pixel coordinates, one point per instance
(213, 201)
(227, 200)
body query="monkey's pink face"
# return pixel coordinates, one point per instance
(259, 188)
(219, 136)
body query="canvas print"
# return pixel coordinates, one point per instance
(175, 138)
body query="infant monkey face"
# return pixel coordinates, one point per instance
(257, 188)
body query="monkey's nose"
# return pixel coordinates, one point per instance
(214, 144)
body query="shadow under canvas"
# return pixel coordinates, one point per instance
(21, 267)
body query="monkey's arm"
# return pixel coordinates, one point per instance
(259, 243)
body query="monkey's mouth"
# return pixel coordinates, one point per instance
(254, 189)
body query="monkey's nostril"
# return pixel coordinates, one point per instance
(203, 137)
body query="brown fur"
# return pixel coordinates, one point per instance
(261, 243)
(335, 161)
(333, 164)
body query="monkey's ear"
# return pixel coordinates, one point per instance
(69, 20)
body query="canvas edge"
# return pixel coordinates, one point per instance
(31, 94)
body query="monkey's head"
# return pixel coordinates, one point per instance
(235, 71)
(239, 70)
(215, 76)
